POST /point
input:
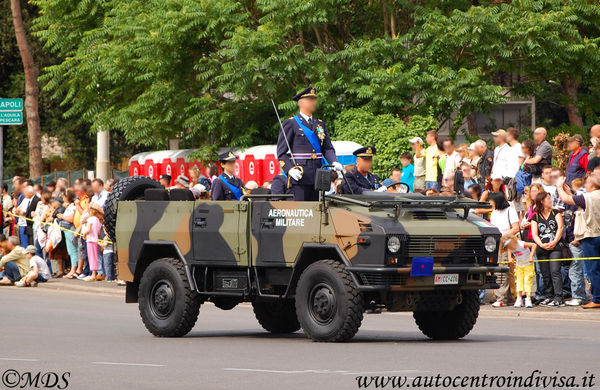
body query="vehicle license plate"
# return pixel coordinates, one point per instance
(446, 279)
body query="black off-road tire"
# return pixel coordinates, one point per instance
(450, 324)
(168, 305)
(129, 188)
(277, 316)
(329, 306)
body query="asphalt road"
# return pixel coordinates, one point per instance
(103, 344)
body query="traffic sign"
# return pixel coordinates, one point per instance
(8, 118)
(15, 104)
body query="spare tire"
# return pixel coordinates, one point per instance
(130, 188)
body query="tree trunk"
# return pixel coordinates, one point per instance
(471, 124)
(31, 92)
(569, 89)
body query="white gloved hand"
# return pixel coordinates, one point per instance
(337, 166)
(381, 189)
(295, 173)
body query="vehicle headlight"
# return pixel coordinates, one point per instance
(490, 244)
(393, 244)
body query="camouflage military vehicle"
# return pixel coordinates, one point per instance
(312, 265)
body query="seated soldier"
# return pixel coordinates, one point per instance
(360, 179)
(227, 186)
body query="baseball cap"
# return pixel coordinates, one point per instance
(183, 180)
(416, 140)
(499, 133)
(387, 182)
(31, 249)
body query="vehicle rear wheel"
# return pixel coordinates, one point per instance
(168, 305)
(129, 188)
(450, 324)
(328, 303)
(277, 316)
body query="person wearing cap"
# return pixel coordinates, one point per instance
(182, 182)
(360, 179)
(304, 146)
(200, 191)
(165, 181)
(39, 271)
(503, 156)
(416, 145)
(226, 186)
(390, 186)
(578, 158)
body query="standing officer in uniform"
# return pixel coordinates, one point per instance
(360, 179)
(309, 145)
(486, 161)
(226, 186)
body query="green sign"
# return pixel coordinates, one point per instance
(11, 104)
(8, 118)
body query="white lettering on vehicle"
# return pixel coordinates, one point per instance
(290, 217)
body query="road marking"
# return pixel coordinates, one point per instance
(340, 372)
(19, 360)
(129, 364)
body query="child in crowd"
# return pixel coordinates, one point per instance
(522, 253)
(408, 170)
(108, 258)
(91, 231)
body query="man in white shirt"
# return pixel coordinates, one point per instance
(503, 156)
(100, 194)
(452, 159)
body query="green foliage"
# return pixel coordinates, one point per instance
(206, 70)
(388, 133)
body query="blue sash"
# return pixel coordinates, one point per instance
(236, 191)
(311, 137)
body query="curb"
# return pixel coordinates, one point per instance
(84, 287)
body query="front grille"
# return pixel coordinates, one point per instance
(425, 215)
(445, 246)
(380, 279)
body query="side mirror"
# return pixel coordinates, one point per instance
(459, 183)
(323, 179)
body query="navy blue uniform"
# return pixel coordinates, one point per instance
(304, 154)
(279, 185)
(358, 183)
(221, 191)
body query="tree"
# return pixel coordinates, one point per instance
(31, 92)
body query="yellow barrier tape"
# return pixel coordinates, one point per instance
(53, 223)
(547, 260)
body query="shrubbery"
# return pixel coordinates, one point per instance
(388, 133)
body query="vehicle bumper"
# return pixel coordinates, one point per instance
(399, 279)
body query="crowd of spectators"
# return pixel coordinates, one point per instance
(55, 231)
(549, 217)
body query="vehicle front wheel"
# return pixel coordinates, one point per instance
(168, 305)
(329, 306)
(277, 316)
(450, 324)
